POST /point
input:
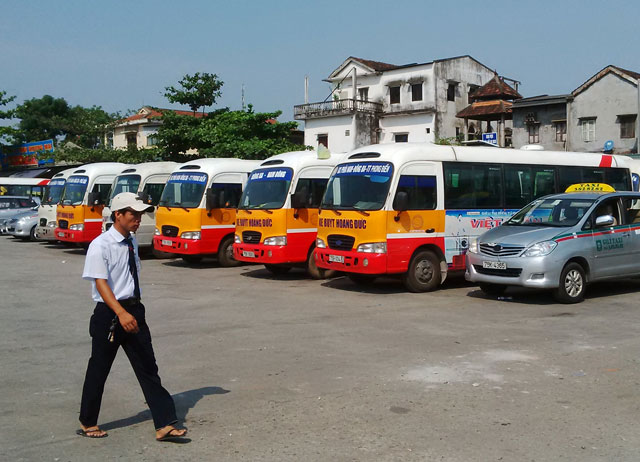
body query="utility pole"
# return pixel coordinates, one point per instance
(306, 89)
(638, 119)
(243, 97)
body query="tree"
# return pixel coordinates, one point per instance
(198, 91)
(87, 127)
(73, 154)
(6, 132)
(41, 118)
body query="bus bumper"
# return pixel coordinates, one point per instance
(78, 236)
(351, 262)
(266, 254)
(46, 233)
(178, 245)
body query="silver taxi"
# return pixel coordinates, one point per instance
(560, 242)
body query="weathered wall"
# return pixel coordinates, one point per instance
(415, 125)
(545, 114)
(335, 127)
(606, 99)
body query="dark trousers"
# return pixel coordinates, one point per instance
(139, 350)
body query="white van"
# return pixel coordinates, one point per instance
(45, 230)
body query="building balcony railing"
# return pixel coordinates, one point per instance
(335, 108)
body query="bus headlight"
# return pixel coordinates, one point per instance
(237, 239)
(540, 249)
(52, 224)
(320, 243)
(191, 235)
(157, 232)
(473, 245)
(373, 247)
(76, 227)
(276, 240)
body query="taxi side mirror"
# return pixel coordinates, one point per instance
(604, 220)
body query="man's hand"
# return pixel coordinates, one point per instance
(128, 322)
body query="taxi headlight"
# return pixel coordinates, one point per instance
(540, 249)
(320, 243)
(191, 235)
(236, 239)
(373, 247)
(156, 232)
(76, 227)
(52, 224)
(276, 240)
(473, 245)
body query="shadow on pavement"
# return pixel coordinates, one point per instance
(294, 274)
(184, 401)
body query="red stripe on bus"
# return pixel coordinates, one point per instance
(606, 161)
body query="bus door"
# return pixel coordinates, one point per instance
(219, 221)
(424, 220)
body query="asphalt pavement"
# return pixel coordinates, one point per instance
(286, 368)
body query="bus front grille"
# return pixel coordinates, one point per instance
(63, 224)
(251, 237)
(43, 222)
(170, 231)
(340, 242)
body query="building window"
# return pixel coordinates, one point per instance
(561, 131)
(416, 91)
(323, 140)
(394, 95)
(132, 140)
(401, 137)
(534, 133)
(110, 140)
(363, 94)
(451, 91)
(472, 88)
(627, 126)
(152, 140)
(588, 129)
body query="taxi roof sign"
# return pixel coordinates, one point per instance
(590, 187)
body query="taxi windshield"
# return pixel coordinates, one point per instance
(358, 186)
(184, 190)
(53, 192)
(563, 212)
(126, 183)
(74, 190)
(267, 188)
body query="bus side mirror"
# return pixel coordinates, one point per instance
(94, 198)
(212, 199)
(400, 203)
(298, 200)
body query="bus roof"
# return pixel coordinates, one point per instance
(300, 159)
(99, 168)
(64, 174)
(401, 153)
(150, 168)
(216, 165)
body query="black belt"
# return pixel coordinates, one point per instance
(133, 301)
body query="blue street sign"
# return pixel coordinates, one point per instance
(490, 138)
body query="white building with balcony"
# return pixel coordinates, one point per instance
(373, 102)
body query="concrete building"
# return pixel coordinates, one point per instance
(605, 108)
(540, 120)
(374, 102)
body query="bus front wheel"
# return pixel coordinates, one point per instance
(225, 253)
(423, 274)
(317, 273)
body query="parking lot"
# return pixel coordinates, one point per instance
(286, 368)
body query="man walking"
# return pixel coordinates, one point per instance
(112, 265)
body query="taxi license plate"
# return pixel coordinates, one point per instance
(248, 254)
(167, 242)
(499, 265)
(336, 258)
(60, 234)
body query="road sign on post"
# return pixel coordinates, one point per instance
(490, 138)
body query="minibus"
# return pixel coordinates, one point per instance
(196, 214)
(278, 213)
(409, 209)
(79, 212)
(19, 186)
(147, 180)
(45, 230)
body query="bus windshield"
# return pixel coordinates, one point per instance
(126, 183)
(266, 188)
(184, 190)
(551, 212)
(53, 192)
(74, 190)
(358, 186)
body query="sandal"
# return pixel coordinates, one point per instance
(88, 433)
(174, 435)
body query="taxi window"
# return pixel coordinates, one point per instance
(631, 208)
(607, 207)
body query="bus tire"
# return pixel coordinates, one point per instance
(423, 274)
(277, 269)
(492, 289)
(317, 273)
(573, 284)
(192, 259)
(225, 253)
(361, 279)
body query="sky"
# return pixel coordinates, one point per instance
(121, 55)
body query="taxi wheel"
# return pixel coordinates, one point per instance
(32, 234)
(317, 273)
(493, 289)
(277, 269)
(572, 284)
(423, 274)
(225, 253)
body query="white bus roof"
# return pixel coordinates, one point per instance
(212, 166)
(401, 153)
(23, 181)
(300, 159)
(150, 168)
(99, 169)
(64, 174)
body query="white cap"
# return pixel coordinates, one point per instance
(128, 200)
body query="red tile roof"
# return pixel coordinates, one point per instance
(157, 113)
(375, 65)
(487, 110)
(496, 88)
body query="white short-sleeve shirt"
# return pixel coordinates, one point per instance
(108, 258)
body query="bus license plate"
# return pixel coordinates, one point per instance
(248, 254)
(167, 242)
(336, 258)
(60, 234)
(499, 265)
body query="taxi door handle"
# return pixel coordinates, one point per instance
(430, 230)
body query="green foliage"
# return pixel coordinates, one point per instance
(197, 91)
(6, 132)
(73, 154)
(87, 127)
(453, 141)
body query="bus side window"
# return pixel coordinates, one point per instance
(103, 190)
(544, 183)
(232, 193)
(314, 188)
(154, 190)
(517, 186)
(421, 191)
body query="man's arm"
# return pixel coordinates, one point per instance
(127, 321)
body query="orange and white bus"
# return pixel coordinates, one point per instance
(79, 212)
(197, 211)
(20, 186)
(410, 209)
(278, 214)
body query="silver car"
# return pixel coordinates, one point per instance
(23, 226)
(560, 242)
(11, 206)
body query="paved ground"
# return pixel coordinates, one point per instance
(294, 369)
